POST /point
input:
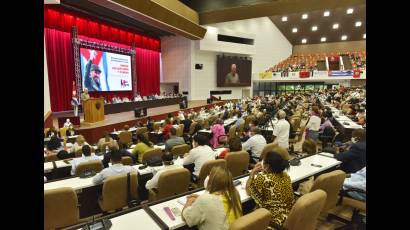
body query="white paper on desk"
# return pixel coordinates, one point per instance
(315, 160)
(182, 200)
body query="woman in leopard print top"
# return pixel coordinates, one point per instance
(272, 188)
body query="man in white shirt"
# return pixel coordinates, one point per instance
(254, 144)
(281, 131)
(86, 157)
(200, 154)
(168, 165)
(313, 124)
(116, 168)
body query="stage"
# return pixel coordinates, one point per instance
(94, 132)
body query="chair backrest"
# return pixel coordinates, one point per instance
(256, 220)
(237, 162)
(232, 131)
(141, 130)
(306, 210)
(180, 131)
(115, 191)
(151, 153)
(173, 182)
(95, 166)
(206, 169)
(180, 150)
(51, 157)
(192, 128)
(126, 160)
(63, 132)
(125, 137)
(60, 208)
(331, 183)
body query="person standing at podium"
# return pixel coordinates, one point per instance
(85, 96)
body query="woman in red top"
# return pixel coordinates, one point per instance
(167, 129)
(234, 146)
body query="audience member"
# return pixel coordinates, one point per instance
(167, 159)
(281, 131)
(200, 153)
(254, 145)
(356, 180)
(79, 143)
(313, 124)
(217, 130)
(173, 140)
(141, 147)
(234, 146)
(354, 159)
(86, 157)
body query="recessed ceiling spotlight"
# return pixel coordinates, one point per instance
(284, 19)
(304, 16)
(349, 11)
(314, 28)
(344, 37)
(304, 40)
(326, 13)
(295, 30)
(358, 23)
(335, 26)
(323, 39)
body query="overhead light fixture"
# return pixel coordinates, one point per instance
(364, 36)
(335, 26)
(358, 24)
(326, 13)
(344, 37)
(284, 19)
(304, 40)
(349, 11)
(314, 28)
(295, 30)
(323, 39)
(304, 16)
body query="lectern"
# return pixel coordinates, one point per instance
(93, 110)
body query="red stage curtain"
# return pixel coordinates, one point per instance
(147, 62)
(64, 20)
(60, 64)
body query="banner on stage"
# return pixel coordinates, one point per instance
(340, 73)
(265, 76)
(105, 71)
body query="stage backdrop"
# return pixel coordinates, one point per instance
(60, 60)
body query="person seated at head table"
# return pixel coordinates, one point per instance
(113, 146)
(271, 187)
(255, 144)
(86, 157)
(125, 99)
(200, 153)
(79, 143)
(167, 160)
(217, 130)
(116, 168)
(234, 146)
(354, 158)
(52, 132)
(71, 131)
(67, 123)
(173, 140)
(103, 142)
(218, 207)
(143, 145)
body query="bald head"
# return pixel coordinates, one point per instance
(233, 68)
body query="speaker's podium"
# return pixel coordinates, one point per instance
(93, 110)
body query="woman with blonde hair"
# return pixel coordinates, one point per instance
(218, 207)
(79, 143)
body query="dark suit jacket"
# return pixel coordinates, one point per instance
(354, 159)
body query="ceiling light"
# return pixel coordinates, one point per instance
(335, 26)
(314, 28)
(358, 23)
(364, 36)
(323, 39)
(284, 19)
(349, 11)
(304, 16)
(326, 13)
(344, 37)
(304, 40)
(295, 30)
